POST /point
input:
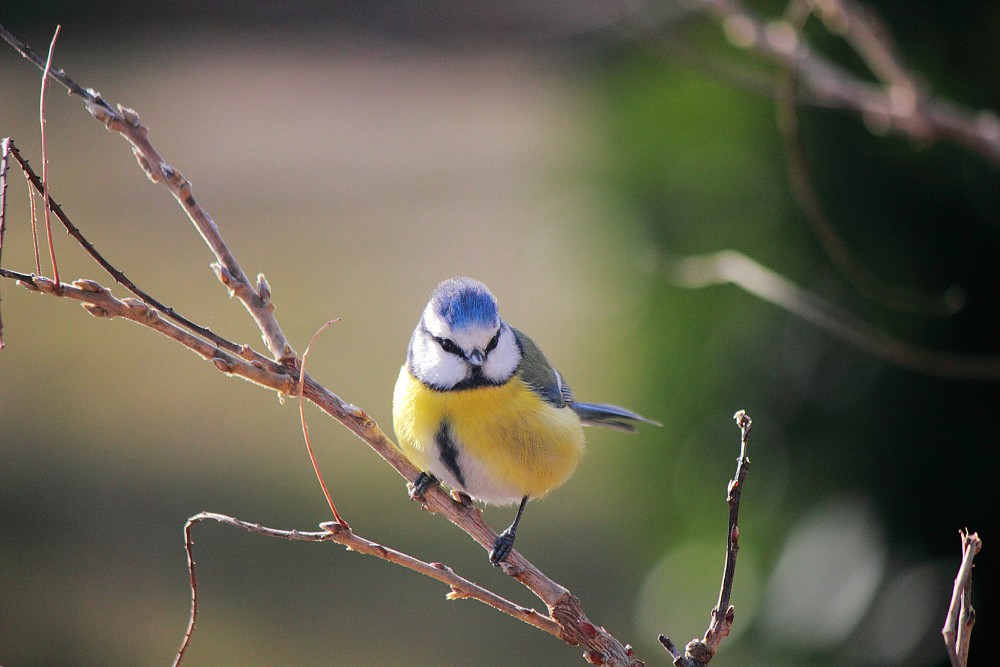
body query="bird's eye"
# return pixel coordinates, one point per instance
(493, 342)
(448, 346)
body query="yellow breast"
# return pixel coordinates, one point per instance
(509, 442)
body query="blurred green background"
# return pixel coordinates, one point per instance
(358, 153)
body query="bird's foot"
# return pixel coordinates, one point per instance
(462, 498)
(502, 547)
(419, 487)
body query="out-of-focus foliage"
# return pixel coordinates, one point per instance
(358, 154)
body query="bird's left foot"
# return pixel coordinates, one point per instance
(419, 487)
(502, 547)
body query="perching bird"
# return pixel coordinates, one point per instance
(478, 406)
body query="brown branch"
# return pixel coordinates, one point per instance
(566, 615)
(126, 122)
(699, 652)
(961, 616)
(566, 620)
(922, 118)
(729, 266)
(130, 127)
(461, 588)
(99, 302)
(123, 280)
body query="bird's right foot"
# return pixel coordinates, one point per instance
(419, 487)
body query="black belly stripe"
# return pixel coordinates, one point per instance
(448, 451)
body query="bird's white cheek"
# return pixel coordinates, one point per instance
(503, 361)
(435, 366)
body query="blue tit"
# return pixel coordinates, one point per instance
(478, 406)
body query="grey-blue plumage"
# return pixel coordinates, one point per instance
(609, 416)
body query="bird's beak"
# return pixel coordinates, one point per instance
(476, 358)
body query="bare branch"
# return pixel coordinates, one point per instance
(99, 302)
(872, 41)
(861, 277)
(923, 117)
(461, 588)
(59, 75)
(130, 127)
(126, 122)
(729, 266)
(699, 652)
(961, 616)
(4, 153)
(118, 275)
(565, 610)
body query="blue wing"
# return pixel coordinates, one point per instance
(609, 416)
(548, 383)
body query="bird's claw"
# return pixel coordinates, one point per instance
(502, 547)
(419, 487)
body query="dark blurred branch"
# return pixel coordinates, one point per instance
(899, 105)
(699, 652)
(961, 617)
(861, 277)
(729, 266)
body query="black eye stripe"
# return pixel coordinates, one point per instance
(493, 342)
(448, 345)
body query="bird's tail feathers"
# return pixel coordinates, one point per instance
(609, 416)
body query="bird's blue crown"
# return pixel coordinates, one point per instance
(464, 302)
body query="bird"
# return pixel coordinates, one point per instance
(478, 406)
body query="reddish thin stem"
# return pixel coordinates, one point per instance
(45, 155)
(305, 427)
(34, 224)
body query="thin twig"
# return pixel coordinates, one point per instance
(461, 588)
(729, 266)
(564, 608)
(861, 277)
(34, 220)
(59, 75)
(4, 152)
(699, 652)
(99, 302)
(722, 620)
(305, 426)
(230, 273)
(126, 122)
(45, 153)
(119, 276)
(961, 616)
